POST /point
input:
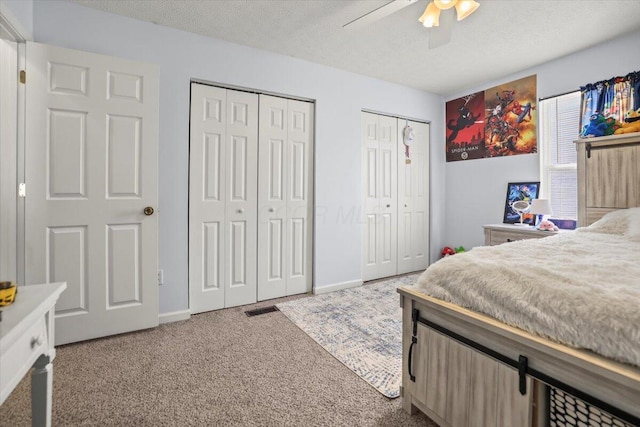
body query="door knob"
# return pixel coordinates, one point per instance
(388, 206)
(148, 211)
(271, 210)
(240, 211)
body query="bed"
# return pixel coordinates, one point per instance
(489, 343)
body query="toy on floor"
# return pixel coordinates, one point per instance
(446, 251)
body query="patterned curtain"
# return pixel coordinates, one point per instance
(634, 80)
(612, 98)
(591, 101)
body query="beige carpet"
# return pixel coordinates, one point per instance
(218, 368)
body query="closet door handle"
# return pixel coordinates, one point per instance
(240, 211)
(271, 210)
(388, 206)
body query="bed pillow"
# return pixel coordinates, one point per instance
(615, 222)
(633, 228)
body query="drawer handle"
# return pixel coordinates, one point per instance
(36, 341)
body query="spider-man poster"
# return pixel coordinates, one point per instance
(510, 122)
(465, 127)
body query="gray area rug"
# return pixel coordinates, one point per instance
(361, 327)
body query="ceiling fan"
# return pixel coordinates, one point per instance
(431, 18)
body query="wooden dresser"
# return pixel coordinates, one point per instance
(497, 234)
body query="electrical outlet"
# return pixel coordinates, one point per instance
(160, 277)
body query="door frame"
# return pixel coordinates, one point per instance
(313, 201)
(14, 31)
(9, 154)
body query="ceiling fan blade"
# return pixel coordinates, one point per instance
(441, 34)
(379, 13)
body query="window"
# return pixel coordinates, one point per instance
(559, 128)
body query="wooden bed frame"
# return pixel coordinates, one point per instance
(462, 368)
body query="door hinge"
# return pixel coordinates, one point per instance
(23, 76)
(22, 189)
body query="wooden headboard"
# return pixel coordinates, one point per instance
(608, 175)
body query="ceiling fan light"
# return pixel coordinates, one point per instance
(465, 8)
(445, 4)
(431, 16)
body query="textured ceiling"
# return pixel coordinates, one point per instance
(501, 37)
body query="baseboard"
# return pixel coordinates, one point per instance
(174, 316)
(337, 287)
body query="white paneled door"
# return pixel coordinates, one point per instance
(379, 177)
(413, 199)
(285, 195)
(222, 198)
(91, 156)
(395, 190)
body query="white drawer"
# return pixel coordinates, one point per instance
(20, 356)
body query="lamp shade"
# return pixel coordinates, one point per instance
(431, 16)
(465, 8)
(540, 207)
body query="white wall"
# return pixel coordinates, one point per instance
(22, 11)
(339, 98)
(476, 189)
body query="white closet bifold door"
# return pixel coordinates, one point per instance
(222, 198)
(379, 177)
(413, 199)
(285, 197)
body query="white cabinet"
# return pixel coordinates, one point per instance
(27, 341)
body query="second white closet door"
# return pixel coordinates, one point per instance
(413, 199)
(285, 189)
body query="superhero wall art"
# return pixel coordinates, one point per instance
(500, 121)
(465, 127)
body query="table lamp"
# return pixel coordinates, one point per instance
(540, 207)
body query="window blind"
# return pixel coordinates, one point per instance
(559, 128)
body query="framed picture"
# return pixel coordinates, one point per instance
(525, 191)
